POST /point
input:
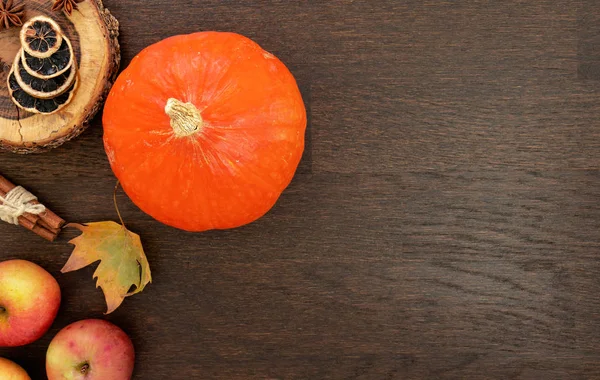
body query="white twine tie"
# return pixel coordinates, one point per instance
(16, 203)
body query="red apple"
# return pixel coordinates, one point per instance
(29, 302)
(92, 349)
(11, 371)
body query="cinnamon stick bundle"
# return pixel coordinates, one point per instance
(46, 224)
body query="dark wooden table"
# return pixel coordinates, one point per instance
(444, 222)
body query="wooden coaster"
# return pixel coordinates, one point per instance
(92, 32)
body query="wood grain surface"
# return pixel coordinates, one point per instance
(444, 222)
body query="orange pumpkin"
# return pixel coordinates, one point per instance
(204, 131)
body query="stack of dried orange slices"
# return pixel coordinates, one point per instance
(43, 77)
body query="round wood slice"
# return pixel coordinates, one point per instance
(93, 32)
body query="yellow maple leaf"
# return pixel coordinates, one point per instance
(123, 263)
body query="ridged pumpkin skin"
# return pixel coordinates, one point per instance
(250, 122)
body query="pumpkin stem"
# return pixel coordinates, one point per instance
(185, 117)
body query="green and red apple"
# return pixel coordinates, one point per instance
(91, 349)
(29, 302)
(12, 371)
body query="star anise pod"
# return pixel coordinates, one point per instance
(66, 5)
(11, 14)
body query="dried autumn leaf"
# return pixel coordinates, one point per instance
(123, 263)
